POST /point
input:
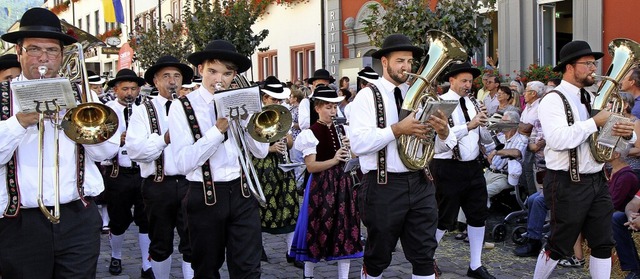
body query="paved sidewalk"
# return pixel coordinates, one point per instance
(452, 256)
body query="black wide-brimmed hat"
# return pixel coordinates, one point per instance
(197, 80)
(465, 67)
(9, 61)
(39, 23)
(168, 61)
(573, 51)
(94, 78)
(126, 75)
(327, 94)
(274, 88)
(397, 42)
(367, 73)
(223, 50)
(321, 74)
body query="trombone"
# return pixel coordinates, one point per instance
(87, 123)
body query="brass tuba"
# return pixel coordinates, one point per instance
(625, 55)
(444, 49)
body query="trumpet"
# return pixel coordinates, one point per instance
(341, 133)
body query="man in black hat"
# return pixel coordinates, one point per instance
(221, 213)
(366, 75)
(163, 187)
(9, 67)
(466, 189)
(307, 116)
(122, 181)
(575, 187)
(31, 246)
(396, 202)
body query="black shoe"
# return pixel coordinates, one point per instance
(529, 249)
(480, 273)
(264, 257)
(298, 264)
(115, 267)
(147, 274)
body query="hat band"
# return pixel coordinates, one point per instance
(40, 28)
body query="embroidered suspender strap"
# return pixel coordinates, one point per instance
(115, 166)
(155, 128)
(13, 202)
(79, 157)
(207, 179)
(573, 153)
(381, 123)
(456, 148)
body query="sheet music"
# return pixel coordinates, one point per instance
(605, 137)
(446, 106)
(40, 95)
(238, 103)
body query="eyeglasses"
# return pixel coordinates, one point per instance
(589, 63)
(52, 52)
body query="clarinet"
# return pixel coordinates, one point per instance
(174, 95)
(499, 145)
(340, 132)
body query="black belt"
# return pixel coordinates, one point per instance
(129, 170)
(198, 184)
(72, 204)
(582, 175)
(499, 171)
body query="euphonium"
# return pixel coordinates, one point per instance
(625, 54)
(414, 152)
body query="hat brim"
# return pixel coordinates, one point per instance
(187, 72)
(101, 81)
(140, 81)
(281, 96)
(13, 37)
(189, 85)
(417, 52)
(312, 79)
(242, 62)
(575, 56)
(331, 100)
(9, 64)
(475, 72)
(369, 80)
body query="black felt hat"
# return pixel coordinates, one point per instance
(327, 94)
(39, 23)
(223, 50)
(367, 73)
(169, 61)
(321, 74)
(274, 88)
(397, 42)
(9, 61)
(573, 51)
(94, 78)
(465, 67)
(126, 75)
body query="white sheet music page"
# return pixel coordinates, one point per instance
(41, 95)
(238, 103)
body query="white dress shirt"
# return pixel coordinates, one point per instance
(530, 113)
(560, 137)
(189, 156)
(25, 141)
(468, 141)
(144, 146)
(367, 139)
(123, 155)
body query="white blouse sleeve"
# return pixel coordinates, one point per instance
(306, 143)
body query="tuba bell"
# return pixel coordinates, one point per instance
(444, 49)
(625, 55)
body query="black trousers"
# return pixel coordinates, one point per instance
(405, 209)
(124, 192)
(231, 224)
(460, 185)
(583, 206)
(163, 205)
(33, 247)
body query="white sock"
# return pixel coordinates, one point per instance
(544, 266)
(367, 276)
(439, 234)
(116, 245)
(289, 241)
(476, 241)
(105, 215)
(343, 268)
(432, 276)
(599, 268)
(187, 270)
(308, 269)
(144, 241)
(162, 270)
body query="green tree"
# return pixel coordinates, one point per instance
(459, 18)
(153, 43)
(230, 20)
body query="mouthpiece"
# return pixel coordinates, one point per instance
(219, 86)
(42, 70)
